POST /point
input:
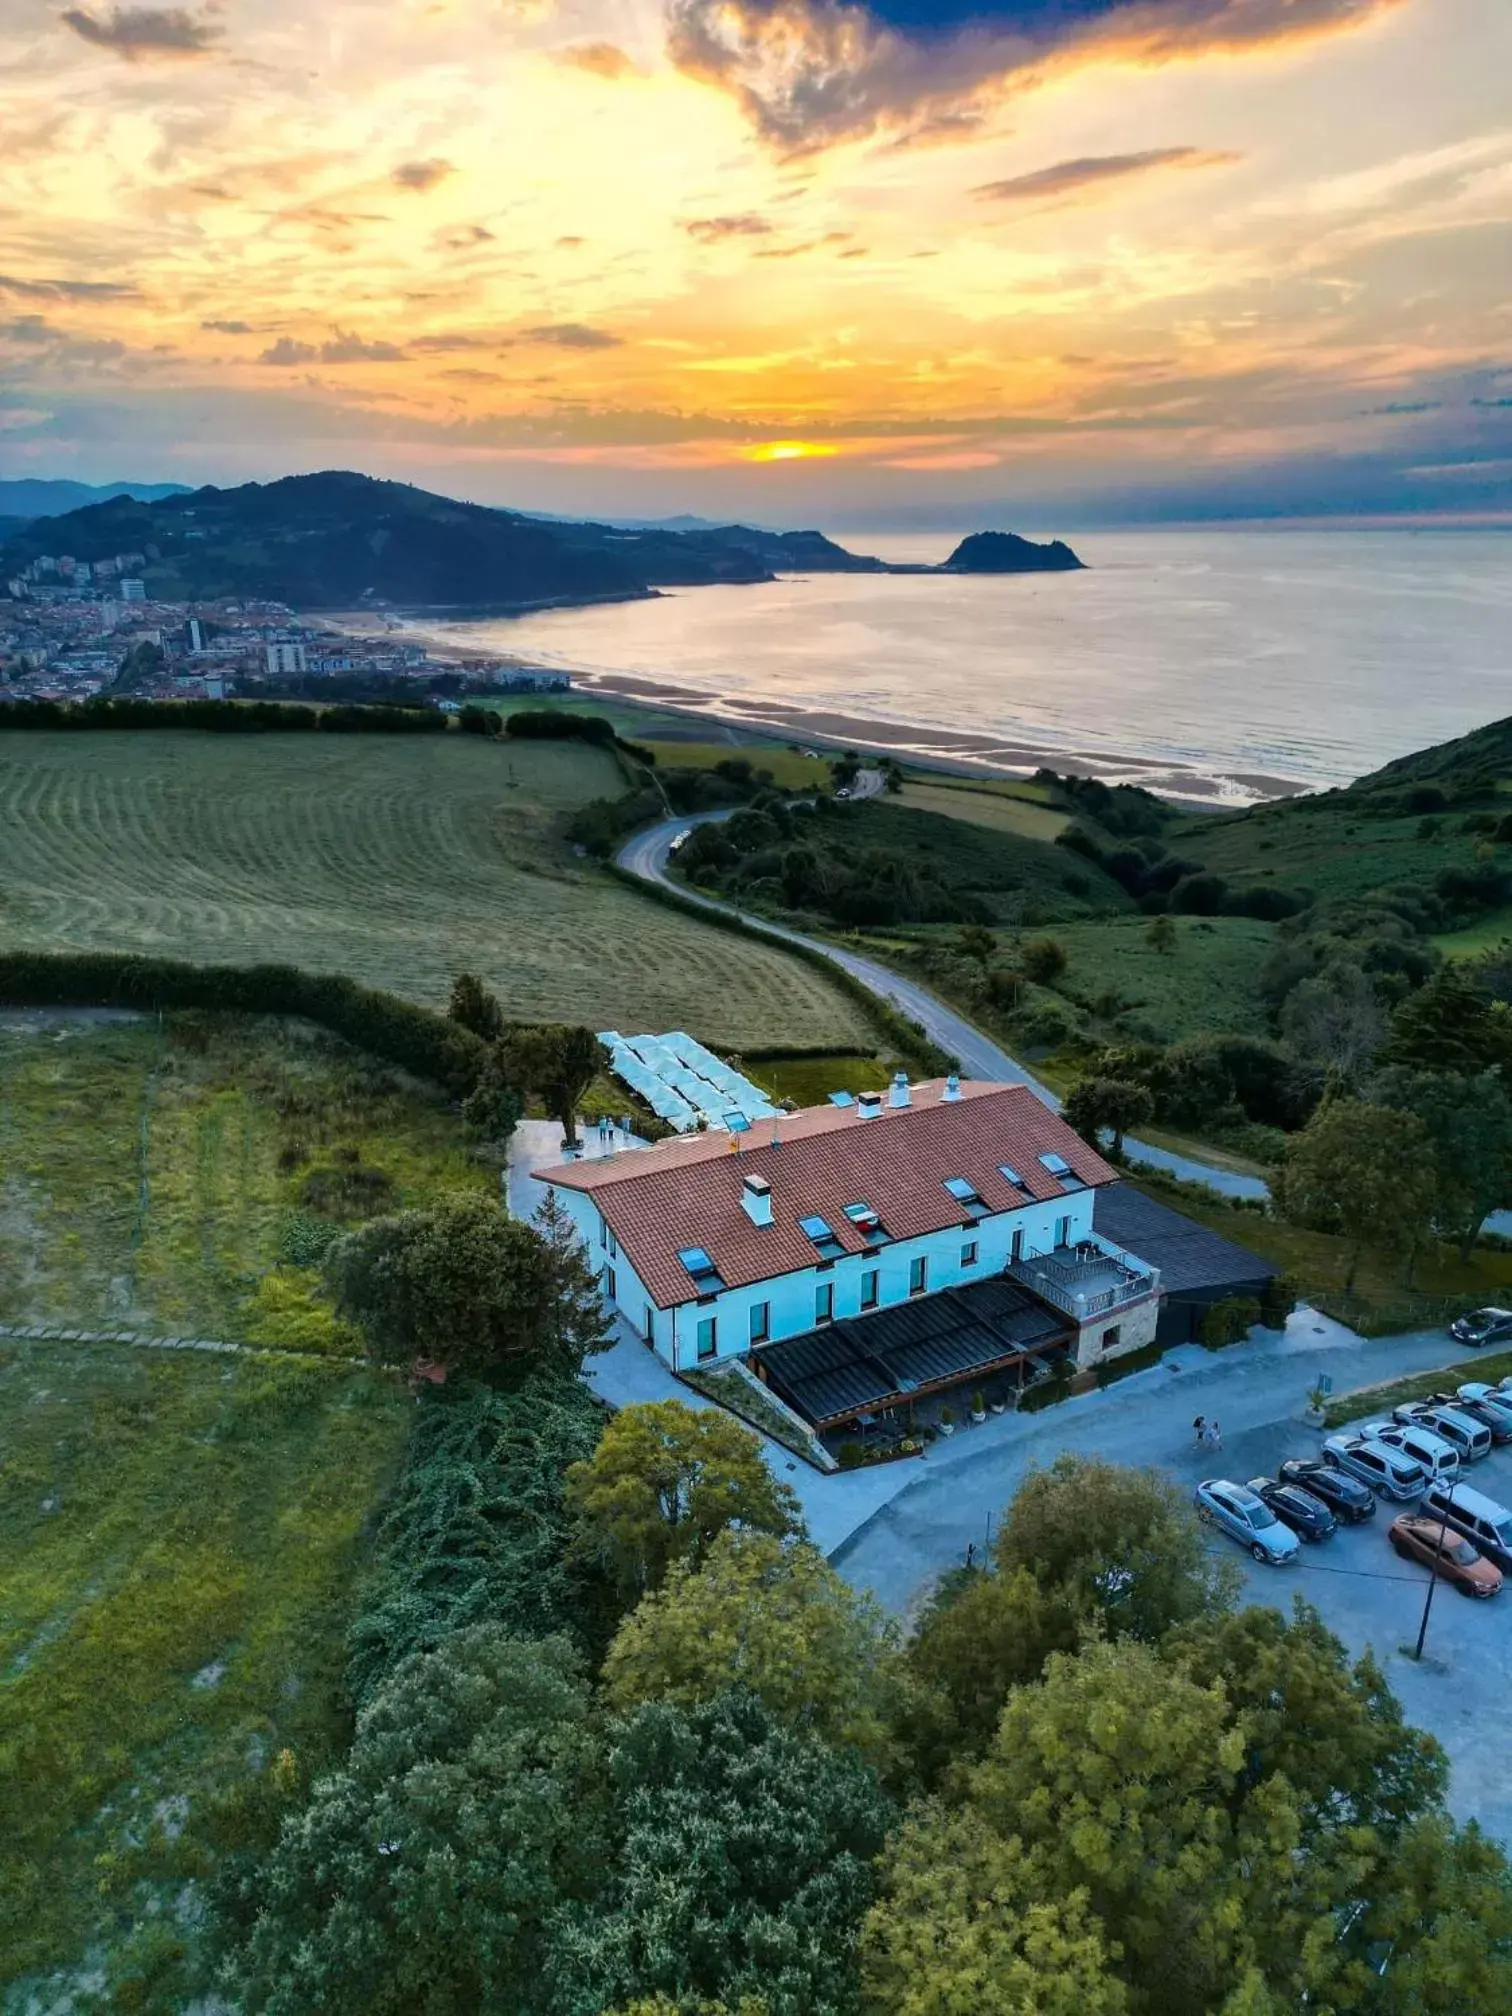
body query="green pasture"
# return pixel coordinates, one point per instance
(1492, 931)
(808, 1081)
(1329, 845)
(790, 771)
(395, 859)
(179, 1541)
(169, 1178)
(1000, 810)
(1017, 879)
(1205, 986)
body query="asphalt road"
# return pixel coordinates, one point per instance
(647, 854)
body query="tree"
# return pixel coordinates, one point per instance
(558, 1060)
(423, 1876)
(663, 1481)
(475, 1008)
(768, 1615)
(983, 1634)
(965, 1926)
(1469, 1122)
(468, 1287)
(1335, 1021)
(1043, 960)
(1451, 1025)
(740, 1863)
(1443, 1910)
(1364, 1171)
(1161, 935)
(1121, 1777)
(1005, 986)
(892, 774)
(975, 941)
(1115, 1103)
(1119, 1545)
(493, 1107)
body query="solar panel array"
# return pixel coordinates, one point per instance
(684, 1083)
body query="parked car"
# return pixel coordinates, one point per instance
(1488, 1404)
(1438, 1457)
(1446, 1552)
(1345, 1496)
(1484, 1523)
(1308, 1517)
(1493, 1412)
(1251, 1522)
(1483, 1326)
(1390, 1471)
(1470, 1437)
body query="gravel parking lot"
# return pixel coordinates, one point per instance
(1371, 1597)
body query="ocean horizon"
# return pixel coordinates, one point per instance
(1220, 663)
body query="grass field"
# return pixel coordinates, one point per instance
(1207, 984)
(790, 771)
(1002, 811)
(397, 860)
(1492, 930)
(160, 1179)
(808, 1081)
(179, 1540)
(1329, 846)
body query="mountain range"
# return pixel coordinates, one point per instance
(338, 540)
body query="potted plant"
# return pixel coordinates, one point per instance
(1317, 1402)
(947, 1421)
(978, 1408)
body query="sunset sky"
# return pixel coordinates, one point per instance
(792, 259)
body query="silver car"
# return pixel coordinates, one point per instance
(1488, 1402)
(1390, 1471)
(1471, 1437)
(1245, 1515)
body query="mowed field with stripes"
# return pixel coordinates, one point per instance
(399, 860)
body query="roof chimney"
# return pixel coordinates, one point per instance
(898, 1096)
(952, 1086)
(868, 1105)
(756, 1200)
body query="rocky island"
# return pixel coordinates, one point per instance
(1008, 553)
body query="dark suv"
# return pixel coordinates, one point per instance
(1345, 1496)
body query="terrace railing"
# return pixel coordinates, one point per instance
(1086, 1281)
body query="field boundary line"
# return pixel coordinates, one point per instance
(54, 1333)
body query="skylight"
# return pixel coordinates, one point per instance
(1012, 1176)
(818, 1229)
(967, 1194)
(867, 1223)
(1056, 1164)
(705, 1274)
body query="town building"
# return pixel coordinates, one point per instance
(285, 656)
(870, 1250)
(133, 590)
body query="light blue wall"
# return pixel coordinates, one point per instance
(791, 1297)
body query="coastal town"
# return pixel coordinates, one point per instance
(72, 629)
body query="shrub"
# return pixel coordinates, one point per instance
(1230, 1320)
(1043, 960)
(1277, 1301)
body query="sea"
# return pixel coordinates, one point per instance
(1212, 664)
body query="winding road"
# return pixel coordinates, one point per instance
(646, 856)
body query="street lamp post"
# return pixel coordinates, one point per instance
(1438, 1549)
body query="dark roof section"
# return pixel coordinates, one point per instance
(1191, 1259)
(876, 1361)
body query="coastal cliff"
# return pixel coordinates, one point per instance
(1008, 553)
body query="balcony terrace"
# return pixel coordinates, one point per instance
(1087, 1280)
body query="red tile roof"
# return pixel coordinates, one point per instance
(687, 1192)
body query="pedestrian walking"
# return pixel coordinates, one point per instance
(971, 1553)
(1214, 1434)
(1199, 1431)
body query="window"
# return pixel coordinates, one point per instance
(819, 1231)
(1016, 1251)
(708, 1336)
(867, 1223)
(1111, 1336)
(966, 1195)
(918, 1275)
(603, 1230)
(969, 1253)
(702, 1268)
(1063, 1231)
(650, 1324)
(611, 1285)
(761, 1322)
(1056, 1164)
(824, 1302)
(1010, 1175)
(869, 1281)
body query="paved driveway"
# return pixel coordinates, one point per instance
(1257, 1390)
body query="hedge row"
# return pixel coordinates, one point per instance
(415, 1038)
(905, 1036)
(226, 717)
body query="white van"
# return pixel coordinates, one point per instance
(1484, 1523)
(1438, 1457)
(1472, 1438)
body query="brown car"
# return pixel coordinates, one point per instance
(1417, 1539)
